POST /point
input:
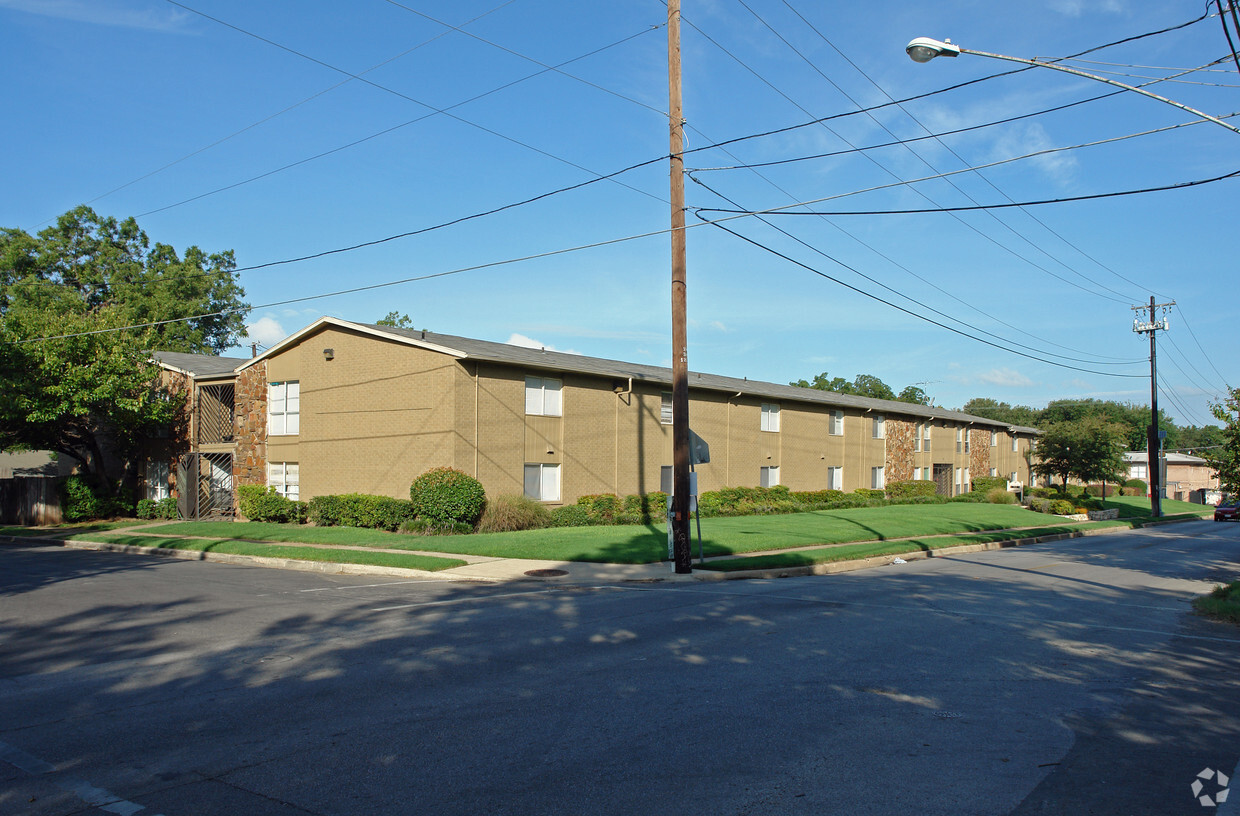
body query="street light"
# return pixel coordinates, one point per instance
(924, 49)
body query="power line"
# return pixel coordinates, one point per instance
(872, 296)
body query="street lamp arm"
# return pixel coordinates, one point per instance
(924, 49)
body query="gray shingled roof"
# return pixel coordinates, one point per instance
(198, 365)
(543, 359)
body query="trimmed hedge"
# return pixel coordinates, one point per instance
(984, 484)
(447, 495)
(912, 489)
(165, 508)
(262, 503)
(360, 510)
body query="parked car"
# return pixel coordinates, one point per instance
(1228, 510)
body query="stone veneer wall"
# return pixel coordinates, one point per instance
(901, 436)
(250, 426)
(979, 454)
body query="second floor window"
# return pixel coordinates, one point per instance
(543, 396)
(665, 408)
(284, 408)
(770, 416)
(837, 423)
(880, 427)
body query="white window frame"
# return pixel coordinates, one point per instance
(836, 427)
(1015, 444)
(835, 478)
(770, 417)
(157, 474)
(959, 440)
(665, 408)
(544, 396)
(994, 439)
(925, 444)
(284, 408)
(879, 428)
(917, 437)
(545, 480)
(768, 476)
(285, 477)
(878, 478)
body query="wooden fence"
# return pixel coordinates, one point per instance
(32, 501)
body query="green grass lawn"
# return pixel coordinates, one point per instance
(429, 563)
(645, 544)
(1223, 603)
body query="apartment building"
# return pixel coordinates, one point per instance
(342, 407)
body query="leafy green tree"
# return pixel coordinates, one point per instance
(913, 394)
(864, 385)
(1091, 449)
(1022, 415)
(396, 320)
(1225, 459)
(81, 306)
(822, 383)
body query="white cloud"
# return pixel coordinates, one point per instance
(529, 342)
(266, 331)
(1005, 377)
(101, 12)
(1075, 8)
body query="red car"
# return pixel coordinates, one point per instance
(1227, 511)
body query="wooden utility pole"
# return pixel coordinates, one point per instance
(681, 551)
(1153, 443)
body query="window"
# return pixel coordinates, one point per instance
(542, 396)
(1014, 444)
(157, 480)
(1137, 472)
(769, 477)
(542, 482)
(284, 408)
(968, 437)
(917, 436)
(283, 476)
(958, 482)
(837, 423)
(994, 440)
(925, 474)
(665, 408)
(880, 427)
(877, 481)
(959, 443)
(835, 478)
(770, 416)
(667, 477)
(1012, 477)
(994, 471)
(968, 481)
(926, 441)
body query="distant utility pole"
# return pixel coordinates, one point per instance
(1153, 444)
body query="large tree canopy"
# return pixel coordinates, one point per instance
(1090, 449)
(864, 385)
(81, 306)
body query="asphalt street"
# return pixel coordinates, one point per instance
(1060, 678)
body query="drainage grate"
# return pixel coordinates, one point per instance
(546, 573)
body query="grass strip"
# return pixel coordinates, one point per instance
(870, 549)
(428, 563)
(1222, 603)
(70, 529)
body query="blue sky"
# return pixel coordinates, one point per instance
(236, 125)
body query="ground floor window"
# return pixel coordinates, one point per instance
(542, 482)
(769, 477)
(157, 480)
(835, 478)
(877, 479)
(285, 478)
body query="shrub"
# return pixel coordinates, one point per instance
(80, 502)
(360, 510)
(446, 494)
(1000, 495)
(913, 489)
(1062, 507)
(513, 512)
(817, 496)
(145, 509)
(984, 484)
(870, 493)
(166, 508)
(262, 503)
(1040, 505)
(1041, 492)
(969, 496)
(602, 507)
(1139, 486)
(570, 515)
